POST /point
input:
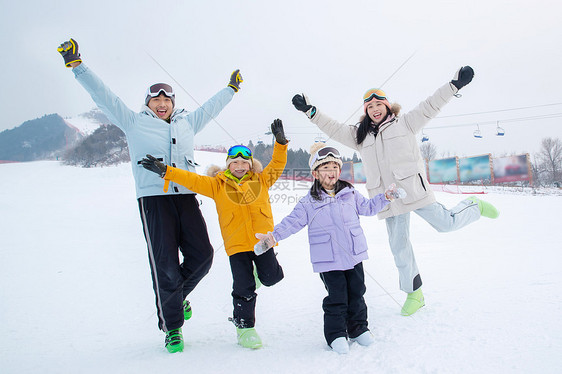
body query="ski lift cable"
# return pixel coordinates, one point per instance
(192, 98)
(382, 85)
(390, 77)
(541, 117)
(499, 110)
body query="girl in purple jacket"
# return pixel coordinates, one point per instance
(338, 246)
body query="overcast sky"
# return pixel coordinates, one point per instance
(331, 50)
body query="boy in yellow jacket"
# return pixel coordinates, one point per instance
(241, 196)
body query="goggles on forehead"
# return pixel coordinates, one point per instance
(323, 153)
(240, 151)
(374, 93)
(157, 88)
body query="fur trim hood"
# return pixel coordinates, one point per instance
(213, 170)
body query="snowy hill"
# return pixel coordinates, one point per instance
(88, 122)
(41, 138)
(76, 294)
(48, 137)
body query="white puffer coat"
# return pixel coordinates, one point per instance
(394, 155)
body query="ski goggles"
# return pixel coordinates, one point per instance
(240, 151)
(374, 93)
(157, 88)
(323, 153)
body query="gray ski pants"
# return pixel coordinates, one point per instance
(441, 219)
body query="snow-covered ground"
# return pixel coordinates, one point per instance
(76, 295)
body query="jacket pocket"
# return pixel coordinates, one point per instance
(374, 187)
(359, 240)
(369, 141)
(373, 183)
(412, 181)
(146, 178)
(160, 158)
(266, 212)
(191, 164)
(321, 248)
(225, 219)
(394, 131)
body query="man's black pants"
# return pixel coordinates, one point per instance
(173, 223)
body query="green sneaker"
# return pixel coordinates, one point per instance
(174, 341)
(414, 301)
(187, 310)
(486, 209)
(256, 278)
(248, 338)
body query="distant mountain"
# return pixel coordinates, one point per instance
(103, 143)
(52, 137)
(38, 139)
(107, 145)
(88, 122)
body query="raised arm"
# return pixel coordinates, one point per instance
(428, 109)
(111, 105)
(345, 134)
(202, 184)
(212, 107)
(275, 168)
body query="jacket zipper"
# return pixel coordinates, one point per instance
(421, 180)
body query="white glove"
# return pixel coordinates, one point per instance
(393, 192)
(266, 241)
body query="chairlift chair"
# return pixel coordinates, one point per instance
(499, 130)
(319, 139)
(477, 133)
(425, 138)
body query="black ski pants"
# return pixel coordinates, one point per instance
(172, 223)
(345, 311)
(244, 284)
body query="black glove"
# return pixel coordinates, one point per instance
(463, 77)
(151, 163)
(235, 80)
(277, 130)
(69, 51)
(301, 103)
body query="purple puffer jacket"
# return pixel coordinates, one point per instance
(335, 235)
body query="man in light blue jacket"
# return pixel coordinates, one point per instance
(170, 213)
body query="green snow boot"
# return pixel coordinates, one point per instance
(414, 301)
(486, 209)
(256, 278)
(187, 310)
(174, 341)
(248, 338)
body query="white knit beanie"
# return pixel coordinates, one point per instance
(314, 150)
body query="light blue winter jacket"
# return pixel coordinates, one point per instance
(147, 134)
(335, 235)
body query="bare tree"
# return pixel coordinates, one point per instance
(428, 151)
(549, 160)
